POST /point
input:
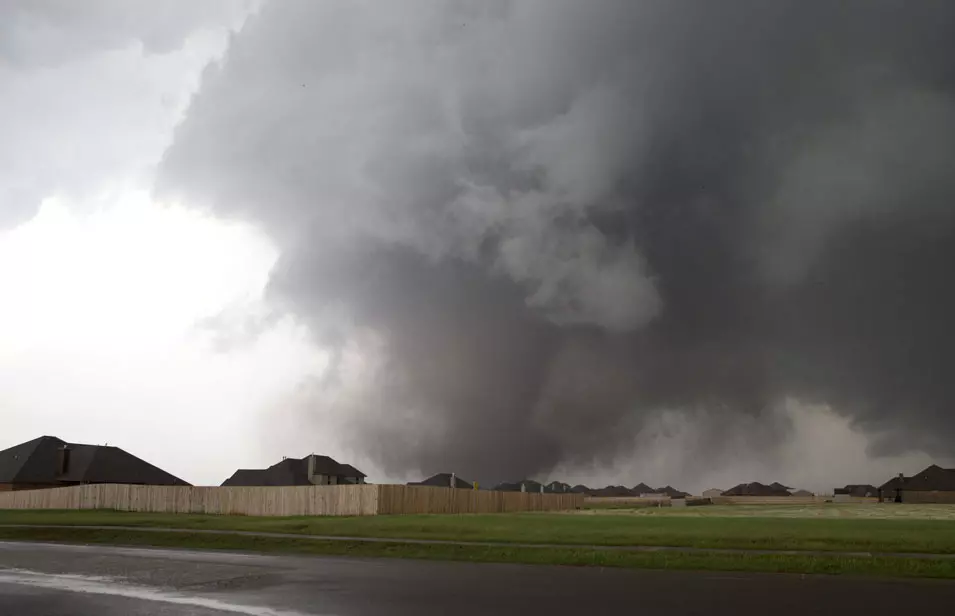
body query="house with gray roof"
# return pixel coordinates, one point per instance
(444, 480)
(311, 470)
(50, 462)
(757, 489)
(933, 485)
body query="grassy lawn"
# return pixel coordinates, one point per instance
(835, 564)
(888, 511)
(593, 528)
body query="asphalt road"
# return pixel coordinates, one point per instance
(59, 580)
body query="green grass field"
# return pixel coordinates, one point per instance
(867, 511)
(661, 527)
(832, 565)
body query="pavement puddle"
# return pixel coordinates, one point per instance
(109, 586)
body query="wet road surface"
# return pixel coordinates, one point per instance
(60, 580)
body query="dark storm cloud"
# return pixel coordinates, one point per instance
(546, 219)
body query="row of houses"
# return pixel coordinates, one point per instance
(755, 488)
(445, 480)
(50, 462)
(932, 485)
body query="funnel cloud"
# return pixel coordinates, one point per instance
(523, 229)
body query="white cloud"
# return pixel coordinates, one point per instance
(98, 339)
(104, 291)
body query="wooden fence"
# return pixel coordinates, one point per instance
(422, 499)
(287, 501)
(784, 500)
(926, 497)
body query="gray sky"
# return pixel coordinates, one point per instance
(676, 242)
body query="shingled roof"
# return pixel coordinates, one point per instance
(37, 462)
(16, 461)
(755, 489)
(934, 478)
(443, 480)
(613, 491)
(889, 487)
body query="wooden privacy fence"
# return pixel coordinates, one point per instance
(926, 497)
(287, 501)
(784, 500)
(422, 499)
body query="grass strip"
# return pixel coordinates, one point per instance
(809, 534)
(832, 565)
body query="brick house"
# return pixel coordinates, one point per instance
(933, 485)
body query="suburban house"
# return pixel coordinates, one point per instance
(557, 487)
(855, 491)
(891, 490)
(50, 462)
(671, 492)
(802, 493)
(312, 470)
(613, 492)
(712, 493)
(529, 485)
(641, 488)
(756, 489)
(444, 480)
(524, 485)
(933, 485)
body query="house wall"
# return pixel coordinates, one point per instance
(287, 501)
(327, 480)
(916, 497)
(6, 487)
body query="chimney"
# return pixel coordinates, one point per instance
(311, 470)
(63, 460)
(454, 482)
